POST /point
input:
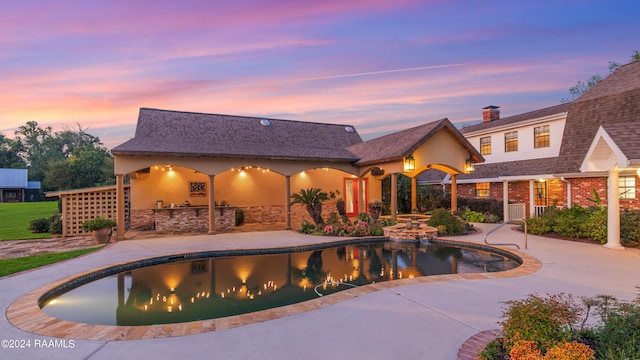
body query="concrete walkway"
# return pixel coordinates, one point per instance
(428, 320)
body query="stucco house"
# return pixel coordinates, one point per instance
(16, 187)
(559, 155)
(190, 171)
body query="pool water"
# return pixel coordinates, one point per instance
(207, 288)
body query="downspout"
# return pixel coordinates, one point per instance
(562, 178)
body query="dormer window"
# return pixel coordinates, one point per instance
(541, 136)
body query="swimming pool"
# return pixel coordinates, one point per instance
(207, 285)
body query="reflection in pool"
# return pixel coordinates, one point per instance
(206, 288)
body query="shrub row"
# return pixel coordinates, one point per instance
(589, 223)
(555, 327)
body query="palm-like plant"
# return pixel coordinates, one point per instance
(312, 198)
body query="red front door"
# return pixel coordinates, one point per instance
(351, 195)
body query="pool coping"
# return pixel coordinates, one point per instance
(25, 313)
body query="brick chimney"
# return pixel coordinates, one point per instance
(490, 113)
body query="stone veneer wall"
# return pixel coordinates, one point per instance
(270, 214)
(193, 219)
(141, 219)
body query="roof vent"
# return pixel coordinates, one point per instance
(348, 129)
(265, 122)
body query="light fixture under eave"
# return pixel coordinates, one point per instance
(469, 166)
(409, 163)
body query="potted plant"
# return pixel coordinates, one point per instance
(100, 228)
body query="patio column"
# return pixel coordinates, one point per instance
(414, 193)
(505, 200)
(394, 196)
(532, 199)
(287, 202)
(454, 193)
(212, 207)
(613, 211)
(119, 207)
(361, 205)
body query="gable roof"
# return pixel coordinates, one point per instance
(613, 101)
(552, 110)
(627, 138)
(14, 178)
(165, 132)
(397, 145)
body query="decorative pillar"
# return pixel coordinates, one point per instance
(414, 193)
(505, 200)
(454, 193)
(119, 207)
(212, 207)
(394, 196)
(361, 203)
(532, 199)
(613, 211)
(287, 202)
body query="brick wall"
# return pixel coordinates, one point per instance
(181, 220)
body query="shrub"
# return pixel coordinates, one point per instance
(570, 222)
(307, 227)
(525, 350)
(618, 337)
(39, 225)
(473, 216)
(55, 224)
(595, 226)
(544, 321)
(491, 218)
(570, 351)
(630, 226)
(97, 223)
(538, 225)
(362, 217)
(444, 217)
(239, 217)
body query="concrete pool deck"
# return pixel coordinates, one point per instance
(415, 318)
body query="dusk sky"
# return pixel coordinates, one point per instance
(380, 65)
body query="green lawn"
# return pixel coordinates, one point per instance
(16, 217)
(11, 266)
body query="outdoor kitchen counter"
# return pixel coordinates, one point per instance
(193, 219)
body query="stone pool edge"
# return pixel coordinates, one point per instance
(25, 313)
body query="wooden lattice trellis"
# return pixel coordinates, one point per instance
(81, 205)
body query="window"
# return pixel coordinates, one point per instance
(541, 136)
(627, 187)
(511, 141)
(482, 189)
(485, 145)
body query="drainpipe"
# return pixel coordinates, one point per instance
(505, 200)
(568, 191)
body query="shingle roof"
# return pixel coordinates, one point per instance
(188, 133)
(615, 100)
(627, 138)
(513, 168)
(552, 110)
(402, 143)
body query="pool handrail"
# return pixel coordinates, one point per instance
(503, 224)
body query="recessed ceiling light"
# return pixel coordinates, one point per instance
(265, 122)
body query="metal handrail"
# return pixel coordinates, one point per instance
(503, 224)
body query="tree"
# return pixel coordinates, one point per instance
(582, 87)
(9, 153)
(312, 198)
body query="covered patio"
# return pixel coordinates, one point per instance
(211, 164)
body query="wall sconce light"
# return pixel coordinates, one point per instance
(409, 163)
(468, 166)
(638, 171)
